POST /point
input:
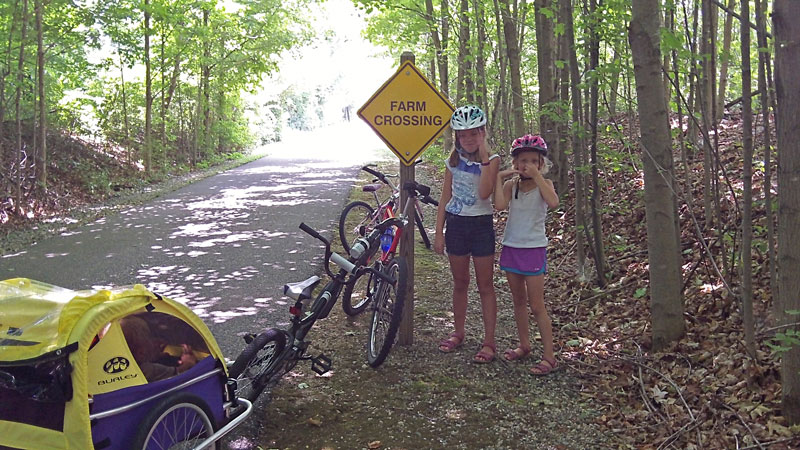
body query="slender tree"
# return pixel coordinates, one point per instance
(666, 302)
(597, 225)
(787, 86)
(766, 106)
(548, 104)
(747, 196)
(578, 140)
(512, 50)
(18, 105)
(148, 112)
(41, 160)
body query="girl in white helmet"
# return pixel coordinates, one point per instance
(466, 208)
(524, 256)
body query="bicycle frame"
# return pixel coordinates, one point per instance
(301, 323)
(411, 200)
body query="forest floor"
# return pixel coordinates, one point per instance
(612, 391)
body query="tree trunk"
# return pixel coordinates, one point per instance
(18, 103)
(614, 88)
(747, 195)
(726, 56)
(7, 69)
(41, 162)
(148, 111)
(462, 91)
(481, 95)
(763, 63)
(125, 110)
(578, 133)
(787, 84)
(205, 129)
(597, 226)
(512, 50)
(666, 303)
(501, 99)
(440, 46)
(703, 96)
(163, 110)
(548, 104)
(562, 181)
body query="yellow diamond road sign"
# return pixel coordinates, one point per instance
(407, 112)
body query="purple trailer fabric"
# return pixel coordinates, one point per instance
(116, 432)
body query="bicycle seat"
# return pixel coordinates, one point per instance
(302, 289)
(371, 187)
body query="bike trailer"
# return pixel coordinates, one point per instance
(69, 378)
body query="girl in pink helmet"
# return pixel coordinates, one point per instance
(466, 208)
(524, 256)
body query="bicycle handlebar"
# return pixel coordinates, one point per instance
(374, 172)
(314, 233)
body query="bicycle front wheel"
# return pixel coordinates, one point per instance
(355, 221)
(357, 294)
(387, 311)
(422, 232)
(255, 368)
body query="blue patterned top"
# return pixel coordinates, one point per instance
(466, 180)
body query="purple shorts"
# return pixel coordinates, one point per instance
(524, 261)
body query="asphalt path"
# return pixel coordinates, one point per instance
(225, 245)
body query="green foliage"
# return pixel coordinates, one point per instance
(785, 340)
(201, 57)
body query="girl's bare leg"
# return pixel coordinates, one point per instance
(519, 294)
(459, 267)
(484, 277)
(535, 286)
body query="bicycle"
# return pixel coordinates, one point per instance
(358, 217)
(360, 290)
(272, 353)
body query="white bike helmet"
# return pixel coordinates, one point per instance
(467, 118)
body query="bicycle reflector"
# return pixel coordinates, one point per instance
(295, 310)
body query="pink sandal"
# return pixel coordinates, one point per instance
(544, 367)
(484, 357)
(514, 354)
(452, 342)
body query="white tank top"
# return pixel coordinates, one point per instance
(526, 216)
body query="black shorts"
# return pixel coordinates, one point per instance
(466, 235)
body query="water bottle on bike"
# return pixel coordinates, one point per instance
(386, 239)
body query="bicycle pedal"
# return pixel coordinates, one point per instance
(321, 364)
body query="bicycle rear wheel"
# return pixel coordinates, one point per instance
(255, 367)
(387, 311)
(354, 222)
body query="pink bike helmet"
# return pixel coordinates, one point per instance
(529, 142)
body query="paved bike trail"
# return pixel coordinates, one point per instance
(224, 246)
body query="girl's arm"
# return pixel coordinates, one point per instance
(488, 172)
(447, 193)
(502, 192)
(547, 190)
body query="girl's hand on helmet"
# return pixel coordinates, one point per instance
(483, 148)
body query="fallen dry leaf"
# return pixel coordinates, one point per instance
(314, 421)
